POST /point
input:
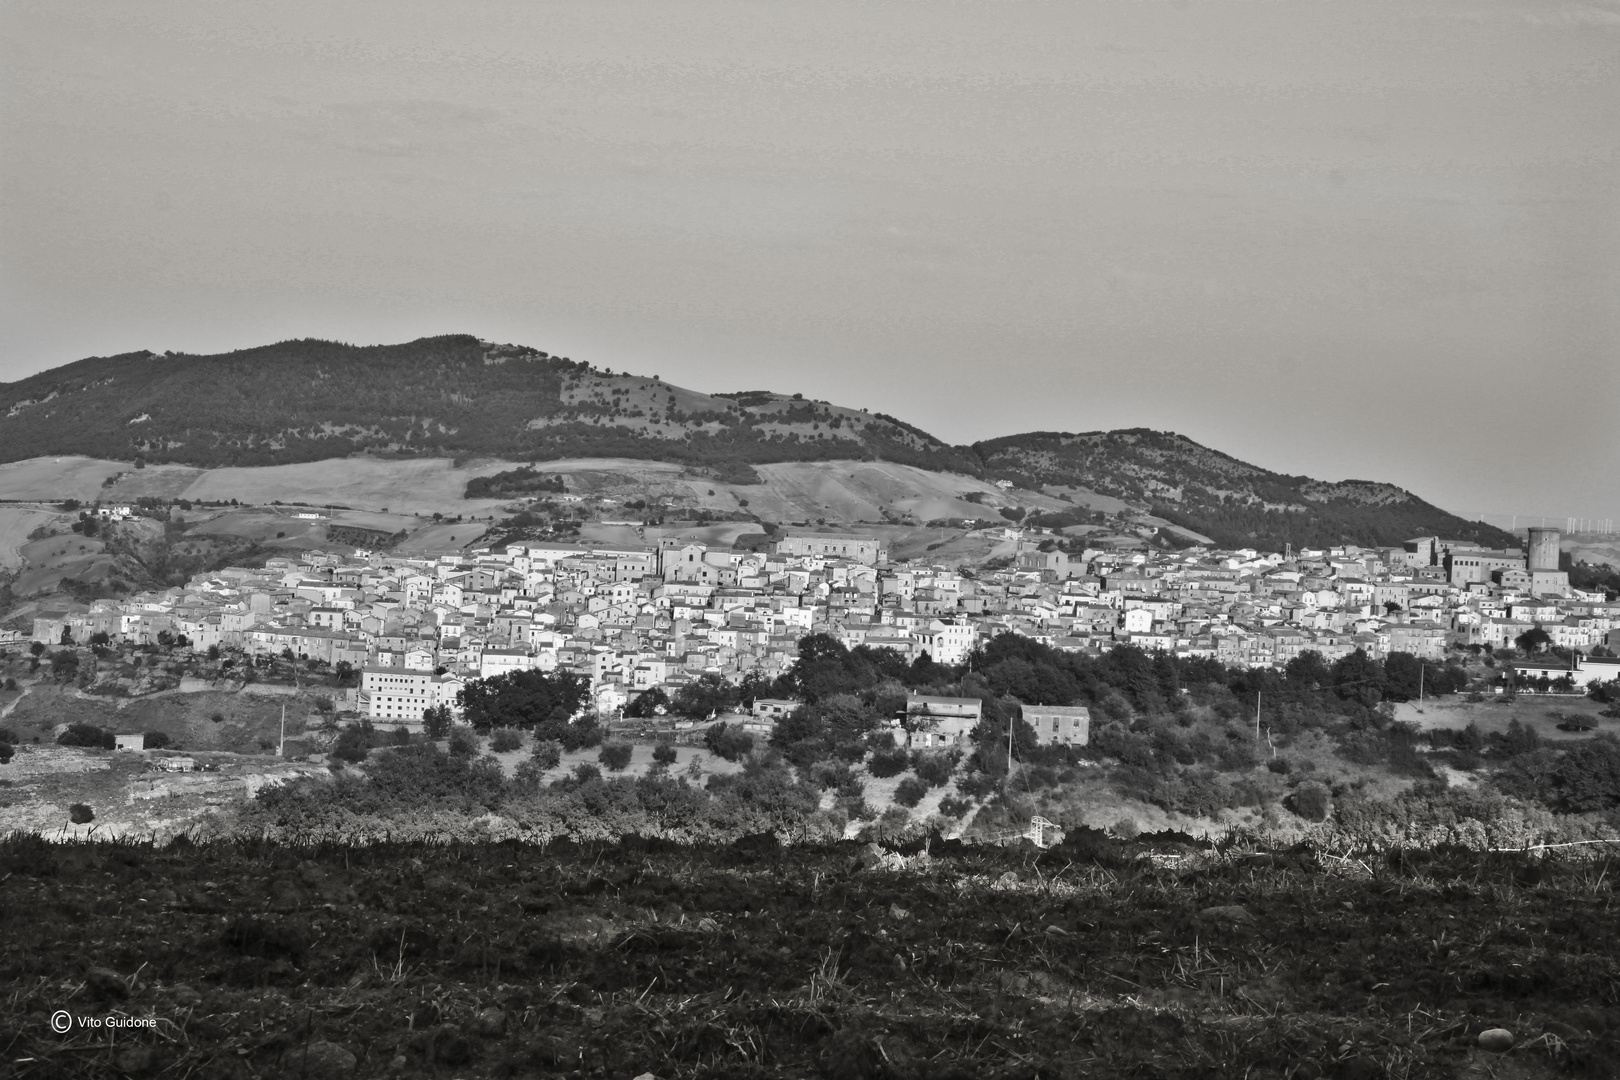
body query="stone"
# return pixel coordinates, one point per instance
(1231, 913)
(1496, 1040)
(326, 1061)
(1009, 880)
(491, 1022)
(647, 1076)
(898, 913)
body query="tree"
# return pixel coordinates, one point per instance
(664, 753)
(1358, 677)
(213, 652)
(547, 753)
(436, 721)
(463, 742)
(647, 704)
(706, 696)
(67, 637)
(729, 741)
(524, 699)
(1308, 669)
(1533, 640)
(615, 756)
(64, 665)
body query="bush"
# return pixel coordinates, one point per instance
(615, 755)
(953, 807)
(664, 753)
(1310, 801)
(87, 735)
(729, 741)
(910, 792)
(547, 754)
(888, 762)
(158, 740)
(505, 739)
(81, 814)
(463, 741)
(585, 772)
(218, 718)
(934, 769)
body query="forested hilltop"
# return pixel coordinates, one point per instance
(457, 396)
(1232, 502)
(309, 400)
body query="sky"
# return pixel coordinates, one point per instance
(1362, 240)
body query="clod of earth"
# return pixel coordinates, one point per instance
(323, 1060)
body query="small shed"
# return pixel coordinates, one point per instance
(129, 742)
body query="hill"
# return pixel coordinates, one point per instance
(307, 400)
(1232, 502)
(455, 397)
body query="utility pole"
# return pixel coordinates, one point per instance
(281, 751)
(1422, 669)
(1257, 695)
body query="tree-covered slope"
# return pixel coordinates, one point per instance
(308, 400)
(1231, 501)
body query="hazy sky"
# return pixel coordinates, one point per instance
(1349, 239)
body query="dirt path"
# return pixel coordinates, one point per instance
(11, 706)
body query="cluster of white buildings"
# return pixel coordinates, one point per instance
(631, 619)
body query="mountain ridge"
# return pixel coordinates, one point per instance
(308, 400)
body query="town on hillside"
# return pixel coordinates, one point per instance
(408, 634)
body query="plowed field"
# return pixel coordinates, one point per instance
(755, 961)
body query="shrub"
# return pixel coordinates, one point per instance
(615, 755)
(888, 762)
(664, 753)
(953, 807)
(1278, 765)
(87, 735)
(505, 739)
(934, 769)
(158, 740)
(81, 814)
(1310, 801)
(910, 792)
(547, 754)
(585, 772)
(829, 775)
(463, 740)
(218, 718)
(730, 741)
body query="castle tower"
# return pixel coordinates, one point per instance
(1543, 549)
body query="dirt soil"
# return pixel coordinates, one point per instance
(1091, 960)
